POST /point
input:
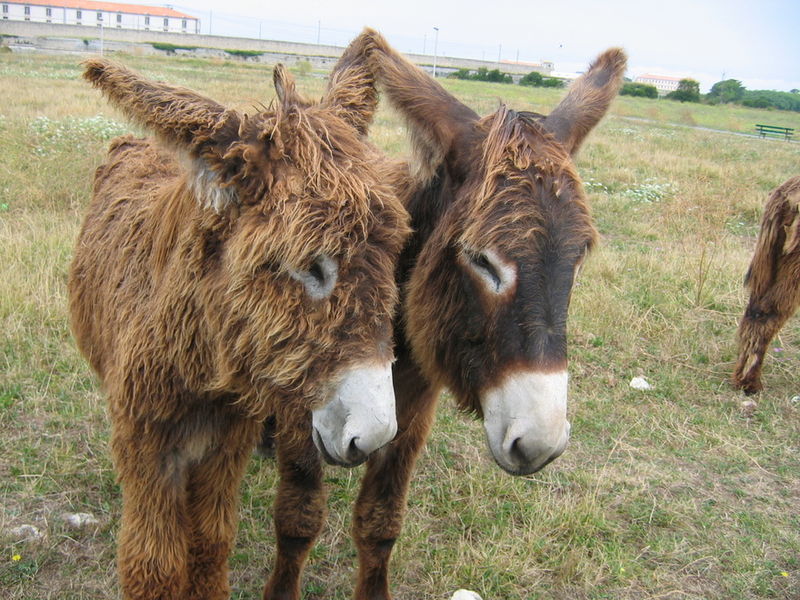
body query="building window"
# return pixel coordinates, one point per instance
(78, 15)
(27, 11)
(183, 24)
(99, 16)
(119, 18)
(147, 20)
(5, 8)
(48, 12)
(166, 24)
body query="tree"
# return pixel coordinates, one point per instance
(688, 91)
(534, 79)
(729, 90)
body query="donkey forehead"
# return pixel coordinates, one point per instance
(527, 210)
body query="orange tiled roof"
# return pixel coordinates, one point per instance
(137, 9)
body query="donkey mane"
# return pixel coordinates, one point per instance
(519, 154)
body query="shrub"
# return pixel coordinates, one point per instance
(553, 82)
(771, 99)
(244, 53)
(641, 90)
(460, 74)
(536, 79)
(533, 79)
(483, 74)
(170, 48)
(688, 91)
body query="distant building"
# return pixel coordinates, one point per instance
(662, 83)
(94, 14)
(545, 67)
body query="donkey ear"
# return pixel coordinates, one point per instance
(587, 100)
(351, 87)
(178, 115)
(438, 122)
(284, 86)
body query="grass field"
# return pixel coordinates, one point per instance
(679, 492)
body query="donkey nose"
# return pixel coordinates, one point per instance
(363, 443)
(528, 452)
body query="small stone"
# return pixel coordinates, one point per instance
(795, 400)
(78, 520)
(26, 533)
(640, 383)
(748, 407)
(465, 595)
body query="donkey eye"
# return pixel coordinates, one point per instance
(481, 262)
(317, 272)
(497, 274)
(320, 277)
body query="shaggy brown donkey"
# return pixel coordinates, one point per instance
(501, 226)
(244, 267)
(774, 282)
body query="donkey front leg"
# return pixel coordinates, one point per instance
(378, 515)
(760, 324)
(299, 512)
(153, 542)
(213, 501)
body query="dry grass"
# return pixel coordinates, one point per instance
(674, 493)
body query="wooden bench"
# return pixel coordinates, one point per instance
(786, 132)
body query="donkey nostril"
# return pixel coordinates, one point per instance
(354, 453)
(516, 451)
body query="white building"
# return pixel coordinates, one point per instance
(95, 14)
(662, 83)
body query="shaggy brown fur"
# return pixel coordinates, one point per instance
(774, 282)
(504, 184)
(182, 300)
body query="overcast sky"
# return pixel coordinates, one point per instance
(754, 41)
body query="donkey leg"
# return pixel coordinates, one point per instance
(299, 512)
(153, 542)
(378, 514)
(756, 330)
(213, 500)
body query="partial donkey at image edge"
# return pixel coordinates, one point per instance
(774, 283)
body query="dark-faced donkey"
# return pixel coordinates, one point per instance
(501, 227)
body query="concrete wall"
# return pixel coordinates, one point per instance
(70, 38)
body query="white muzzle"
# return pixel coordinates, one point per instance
(359, 419)
(525, 419)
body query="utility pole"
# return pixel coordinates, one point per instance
(319, 25)
(435, 49)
